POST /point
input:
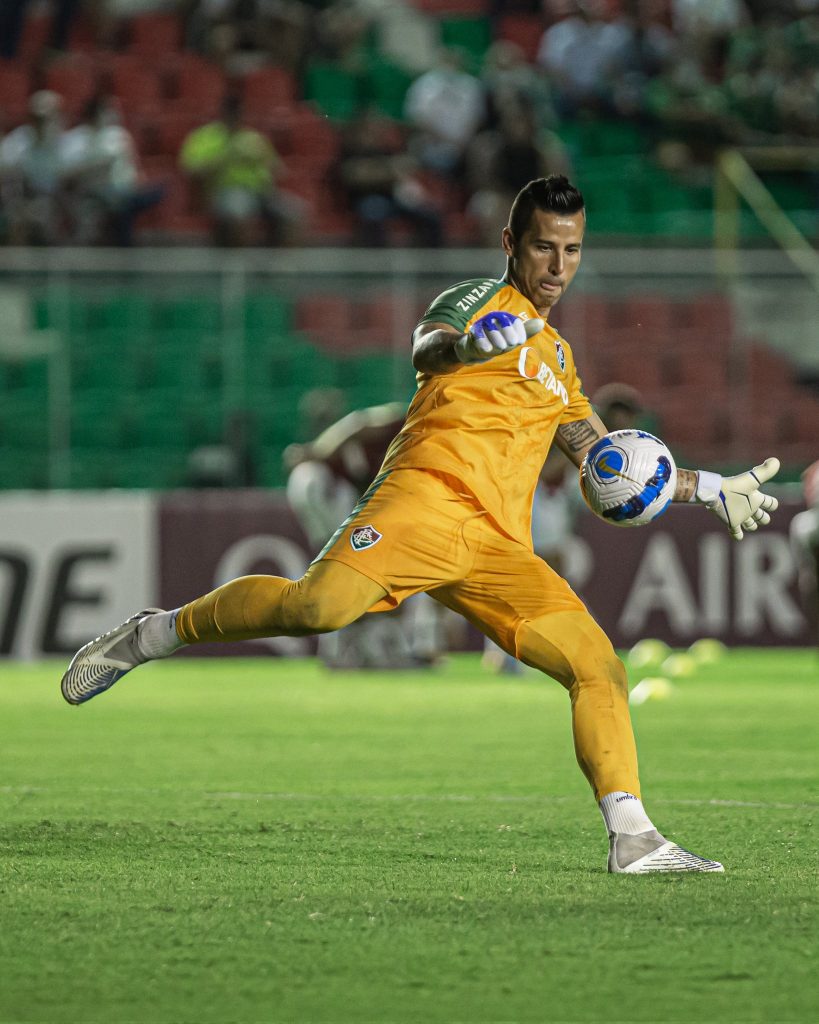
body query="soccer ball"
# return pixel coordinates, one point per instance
(628, 478)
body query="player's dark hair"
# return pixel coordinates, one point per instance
(554, 194)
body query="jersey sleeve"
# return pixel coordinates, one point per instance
(458, 304)
(579, 407)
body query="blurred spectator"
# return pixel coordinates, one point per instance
(101, 161)
(319, 408)
(243, 34)
(581, 51)
(501, 160)
(646, 47)
(618, 405)
(32, 167)
(237, 168)
(379, 179)
(446, 106)
(707, 17)
(508, 78)
(341, 33)
(405, 35)
(231, 462)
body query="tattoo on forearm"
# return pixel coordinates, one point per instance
(578, 435)
(686, 485)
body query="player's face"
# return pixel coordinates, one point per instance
(544, 260)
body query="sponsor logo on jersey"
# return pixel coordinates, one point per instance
(364, 537)
(467, 301)
(532, 367)
(561, 355)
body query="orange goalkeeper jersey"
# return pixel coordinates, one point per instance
(490, 424)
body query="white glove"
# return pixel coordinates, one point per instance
(737, 500)
(494, 333)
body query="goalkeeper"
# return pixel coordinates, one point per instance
(449, 514)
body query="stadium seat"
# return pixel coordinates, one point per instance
(75, 79)
(312, 135)
(154, 35)
(523, 29)
(23, 469)
(322, 314)
(265, 90)
(24, 419)
(34, 39)
(137, 88)
(268, 312)
(15, 87)
(471, 35)
(336, 91)
(199, 87)
(170, 129)
(386, 87)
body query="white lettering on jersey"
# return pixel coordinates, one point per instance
(477, 293)
(539, 371)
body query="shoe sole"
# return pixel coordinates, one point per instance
(82, 682)
(670, 859)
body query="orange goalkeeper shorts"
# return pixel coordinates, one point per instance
(417, 530)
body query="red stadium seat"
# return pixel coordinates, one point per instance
(138, 89)
(14, 93)
(713, 313)
(313, 136)
(35, 36)
(154, 35)
(199, 86)
(523, 29)
(649, 312)
(76, 80)
(171, 128)
(265, 90)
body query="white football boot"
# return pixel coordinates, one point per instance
(651, 853)
(104, 661)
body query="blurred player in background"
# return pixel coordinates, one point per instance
(327, 477)
(804, 532)
(450, 514)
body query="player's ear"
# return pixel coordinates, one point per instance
(508, 241)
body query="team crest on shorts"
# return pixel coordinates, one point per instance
(561, 355)
(364, 537)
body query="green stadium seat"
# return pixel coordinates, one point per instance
(24, 420)
(473, 36)
(335, 91)
(268, 313)
(387, 86)
(202, 313)
(60, 308)
(23, 469)
(278, 416)
(129, 314)
(272, 472)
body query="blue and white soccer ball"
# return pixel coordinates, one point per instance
(628, 478)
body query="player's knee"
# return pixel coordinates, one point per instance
(582, 657)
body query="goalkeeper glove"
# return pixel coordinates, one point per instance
(737, 500)
(495, 333)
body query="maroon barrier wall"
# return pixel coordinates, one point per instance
(679, 579)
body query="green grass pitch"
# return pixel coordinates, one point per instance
(248, 840)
